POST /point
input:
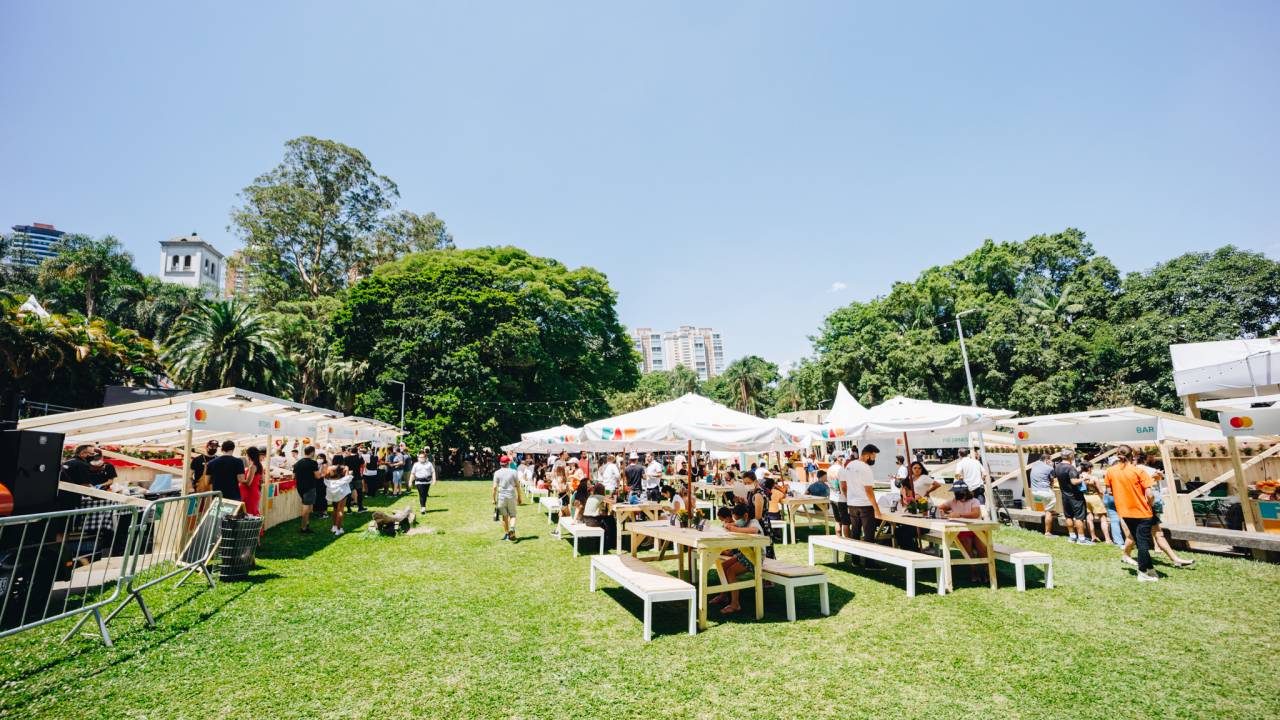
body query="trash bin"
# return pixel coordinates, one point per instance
(239, 546)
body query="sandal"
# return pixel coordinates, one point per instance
(1184, 563)
(718, 600)
(730, 609)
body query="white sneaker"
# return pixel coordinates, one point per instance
(1085, 541)
(1072, 538)
(1148, 576)
(340, 533)
(1128, 560)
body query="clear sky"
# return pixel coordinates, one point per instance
(748, 166)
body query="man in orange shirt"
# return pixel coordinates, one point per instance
(1131, 487)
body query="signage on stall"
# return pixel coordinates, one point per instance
(217, 418)
(1138, 430)
(1254, 421)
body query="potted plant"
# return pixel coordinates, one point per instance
(917, 506)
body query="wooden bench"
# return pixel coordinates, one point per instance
(579, 529)
(1269, 542)
(550, 506)
(905, 559)
(791, 576)
(1018, 558)
(649, 584)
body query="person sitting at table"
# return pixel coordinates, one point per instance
(758, 504)
(965, 506)
(776, 495)
(595, 513)
(921, 483)
(580, 496)
(670, 495)
(819, 487)
(733, 563)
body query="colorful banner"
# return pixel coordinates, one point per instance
(1255, 421)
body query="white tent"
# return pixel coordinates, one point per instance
(1226, 368)
(845, 409)
(694, 419)
(1124, 425)
(559, 433)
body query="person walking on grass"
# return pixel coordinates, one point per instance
(1074, 509)
(1132, 489)
(1040, 476)
(337, 488)
(506, 497)
(306, 473)
(423, 474)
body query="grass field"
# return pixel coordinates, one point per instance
(461, 625)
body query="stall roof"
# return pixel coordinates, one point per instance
(163, 422)
(1226, 368)
(1241, 403)
(1111, 425)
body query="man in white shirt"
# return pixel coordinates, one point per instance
(506, 496)
(423, 473)
(652, 478)
(840, 472)
(902, 468)
(858, 493)
(970, 470)
(677, 464)
(610, 474)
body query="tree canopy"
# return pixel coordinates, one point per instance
(491, 341)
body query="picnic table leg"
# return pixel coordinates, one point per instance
(991, 557)
(702, 589)
(759, 580)
(680, 570)
(946, 561)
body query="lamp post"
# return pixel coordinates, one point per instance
(402, 392)
(988, 491)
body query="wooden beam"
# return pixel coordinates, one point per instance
(1205, 488)
(1172, 498)
(1242, 487)
(139, 461)
(102, 494)
(112, 409)
(1191, 406)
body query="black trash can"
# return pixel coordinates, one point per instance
(239, 546)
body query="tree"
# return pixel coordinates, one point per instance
(151, 306)
(492, 342)
(746, 385)
(89, 265)
(223, 344)
(305, 332)
(654, 388)
(307, 223)
(406, 232)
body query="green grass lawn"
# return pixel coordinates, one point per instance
(461, 625)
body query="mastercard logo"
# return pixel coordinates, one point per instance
(201, 415)
(1023, 434)
(1241, 422)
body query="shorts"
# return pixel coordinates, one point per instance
(1094, 504)
(308, 497)
(741, 557)
(1073, 506)
(1045, 498)
(841, 512)
(507, 506)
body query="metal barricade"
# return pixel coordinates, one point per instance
(175, 536)
(56, 565)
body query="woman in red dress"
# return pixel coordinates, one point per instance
(251, 490)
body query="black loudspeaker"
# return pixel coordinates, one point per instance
(30, 463)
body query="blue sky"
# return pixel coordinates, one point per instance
(748, 166)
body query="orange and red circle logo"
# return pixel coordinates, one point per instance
(1241, 422)
(1023, 435)
(201, 415)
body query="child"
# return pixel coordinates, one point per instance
(963, 505)
(733, 563)
(1093, 503)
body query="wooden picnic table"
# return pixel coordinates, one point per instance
(707, 545)
(795, 514)
(625, 514)
(948, 529)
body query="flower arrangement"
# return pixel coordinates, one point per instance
(918, 506)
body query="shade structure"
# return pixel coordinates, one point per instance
(557, 434)
(845, 409)
(1226, 368)
(1123, 425)
(690, 419)
(901, 415)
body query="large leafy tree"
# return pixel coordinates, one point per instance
(305, 332)
(491, 342)
(1053, 327)
(89, 268)
(150, 306)
(654, 388)
(307, 223)
(223, 344)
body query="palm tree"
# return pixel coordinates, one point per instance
(89, 262)
(746, 379)
(1048, 310)
(224, 344)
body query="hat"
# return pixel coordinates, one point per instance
(959, 486)
(633, 456)
(504, 459)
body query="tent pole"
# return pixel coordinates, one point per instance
(986, 481)
(1175, 507)
(906, 461)
(186, 460)
(1242, 487)
(1027, 500)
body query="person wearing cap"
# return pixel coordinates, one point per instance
(964, 505)
(200, 483)
(858, 485)
(1133, 491)
(634, 473)
(506, 496)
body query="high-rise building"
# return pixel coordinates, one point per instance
(189, 260)
(699, 349)
(238, 270)
(33, 244)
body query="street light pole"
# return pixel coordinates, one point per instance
(402, 392)
(988, 491)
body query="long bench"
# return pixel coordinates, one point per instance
(905, 559)
(649, 584)
(1224, 536)
(579, 529)
(791, 576)
(1017, 557)
(550, 506)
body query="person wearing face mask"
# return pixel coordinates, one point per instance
(102, 472)
(733, 563)
(858, 495)
(424, 473)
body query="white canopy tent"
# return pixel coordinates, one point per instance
(1226, 368)
(691, 420)
(845, 409)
